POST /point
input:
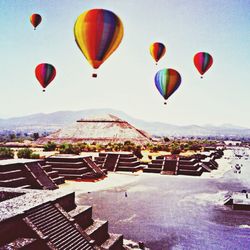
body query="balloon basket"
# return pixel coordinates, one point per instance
(201, 77)
(94, 75)
(165, 103)
(43, 90)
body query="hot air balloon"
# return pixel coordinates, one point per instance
(45, 74)
(157, 51)
(98, 33)
(203, 61)
(35, 20)
(167, 81)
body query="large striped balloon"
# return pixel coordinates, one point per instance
(45, 74)
(157, 51)
(35, 20)
(98, 33)
(167, 81)
(203, 61)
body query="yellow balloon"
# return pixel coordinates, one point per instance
(98, 33)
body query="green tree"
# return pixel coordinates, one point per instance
(175, 149)
(166, 139)
(34, 156)
(12, 137)
(6, 153)
(35, 136)
(67, 148)
(50, 146)
(25, 153)
(137, 152)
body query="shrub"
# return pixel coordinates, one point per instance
(6, 153)
(50, 146)
(24, 153)
(137, 152)
(34, 156)
(67, 148)
(175, 149)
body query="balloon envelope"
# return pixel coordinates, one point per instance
(157, 50)
(35, 20)
(203, 61)
(98, 33)
(167, 81)
(45, 74)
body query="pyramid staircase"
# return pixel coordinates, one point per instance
(26, 174)
(162, 165)
(53, 226)
(114, 161)
(177, 166)
(57, 223)
(74, 167)
(53, 174)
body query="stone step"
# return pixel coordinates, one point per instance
(64, 235)
(78, 176)
(6, 175)
(128, 159)
(66, 164)
(38, 211)
(152, 170)
(80, 170)
(25, 186)
(198, 172)
(48, 218)
(78, 244)
(59, 180)
(98, 231)
(82, 216)
(65, 158)
(58, 229)
(47, 167)
(14, 183)
(155, 165)
(130, 164)
(114, 242)
(51, 228)
(52, 174)
(130, 169)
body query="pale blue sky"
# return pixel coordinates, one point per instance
(126, 80)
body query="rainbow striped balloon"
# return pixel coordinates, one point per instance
(35, 20)
(157, 51)
(45, 74)
(98, 33)
(203, 61)
(167, 81)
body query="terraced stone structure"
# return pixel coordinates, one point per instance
(24, 173)
(74, 166)
(178, 165)
(118, 161)
(44, 219)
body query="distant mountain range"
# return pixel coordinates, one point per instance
(50, 122)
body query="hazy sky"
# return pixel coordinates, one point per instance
(126, 80)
